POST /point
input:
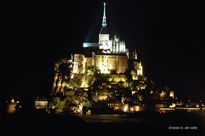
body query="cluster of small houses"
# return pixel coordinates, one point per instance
(43, 104)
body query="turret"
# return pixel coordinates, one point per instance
(104, 24)
(104, 36)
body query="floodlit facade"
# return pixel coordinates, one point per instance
(110, 55)
(11, 106)
(171, 94)
(41, 104)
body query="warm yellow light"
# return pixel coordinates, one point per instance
(122, 100)
(116, 108)
(173, 105)
(79, 109)
(41, 104)
(102, 97)
(84, 83)
(136, 108)
(131, 109)
(133, 92)
(162, 94)
(125, 107)
(88, 112)
(12, 100)
(171, 94)
(140, 69)
(11, 108)
(103, 66)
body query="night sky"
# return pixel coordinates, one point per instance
(166, 34)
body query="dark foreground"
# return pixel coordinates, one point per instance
(143, 123)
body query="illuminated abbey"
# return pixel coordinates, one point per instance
(107, 56)
(105, 71)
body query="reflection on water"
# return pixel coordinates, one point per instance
(169, 119)
(164, 123)
(105, 118)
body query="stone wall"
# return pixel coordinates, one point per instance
(78, 63)
(106, 63)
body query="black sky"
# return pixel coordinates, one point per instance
(166, 34)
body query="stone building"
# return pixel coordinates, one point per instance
(106, 56)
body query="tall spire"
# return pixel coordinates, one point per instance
(104, 24)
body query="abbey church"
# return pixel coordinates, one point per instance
(109, 55)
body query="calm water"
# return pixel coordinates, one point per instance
(175, 124)
(107, 118)
(165, 124)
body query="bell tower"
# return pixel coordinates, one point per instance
(104, 37)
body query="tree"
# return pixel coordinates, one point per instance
(71, 101)
(62, 70)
